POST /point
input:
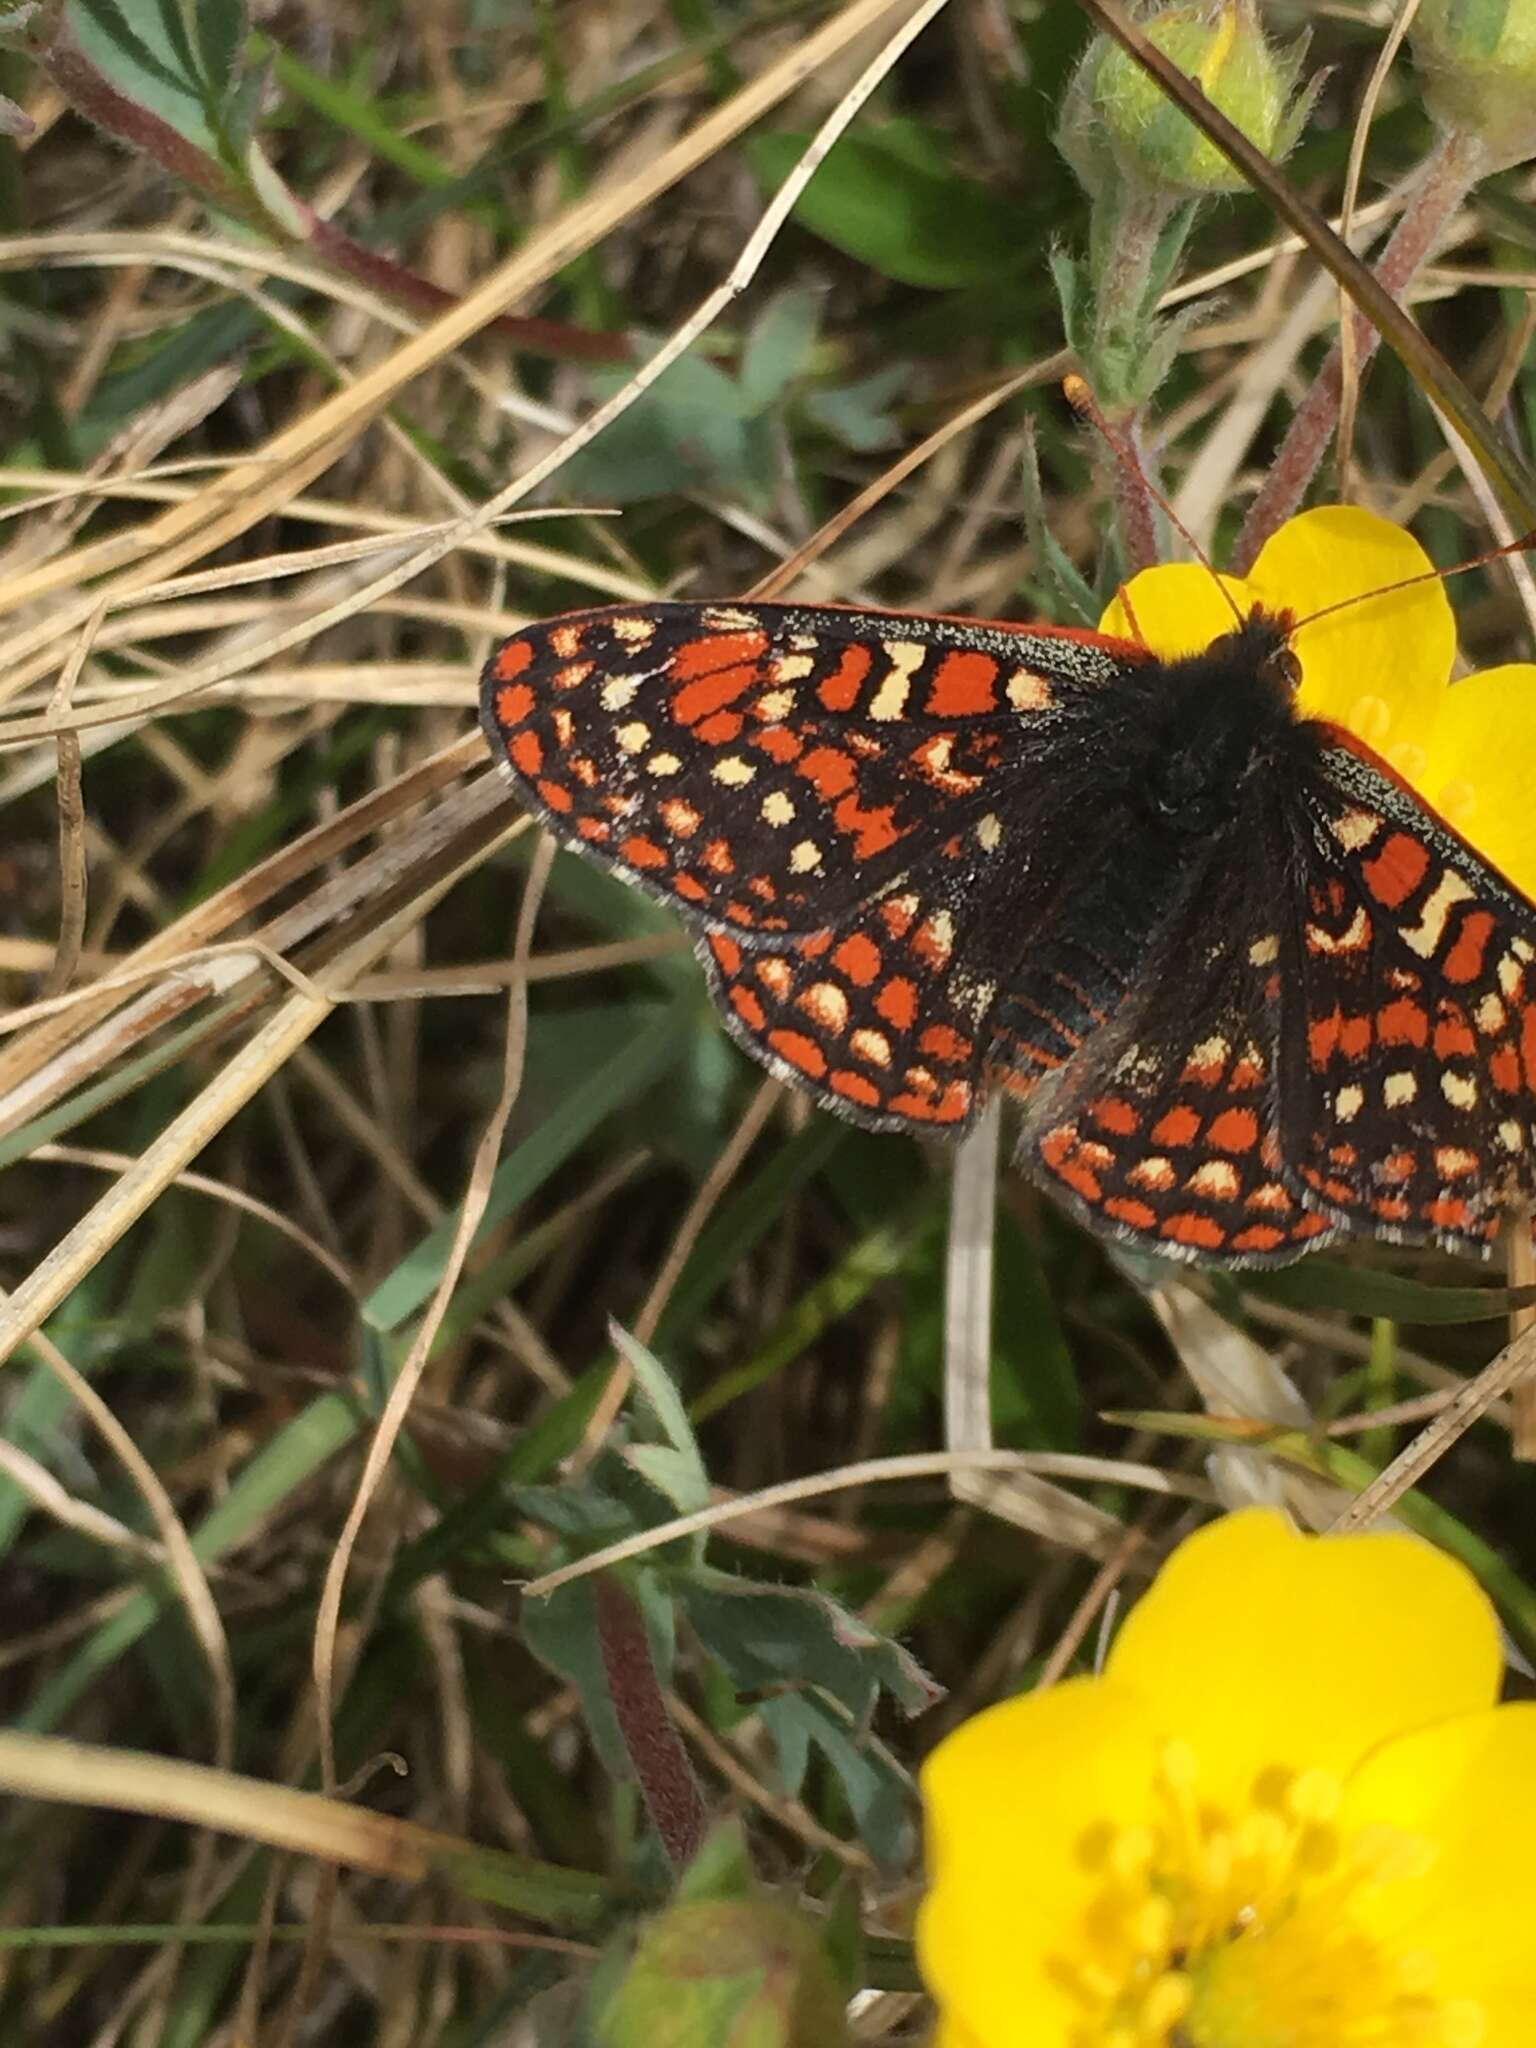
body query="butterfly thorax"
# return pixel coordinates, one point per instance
(1214, 720)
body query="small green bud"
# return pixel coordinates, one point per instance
(726, 1973)
(1224, 50)
(1478, 58)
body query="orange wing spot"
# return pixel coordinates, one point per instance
(1391, 1208)
(748, 1008)
(1258, 1237)
(840, 690)
(814, 945)
(1393, 874)
(526, 752)
(1354, 1037)
(717, 857)
(945, 1044)
(584, 769)
(1309, 1225)
(717, 651)
(964, 684)
(679, 816)
(1235, 1130)
(712, 692)
(897, 1003)
(1528, 1043)
(762, 887)
(776, 974)
(1137, 1215)
(1179, 1126)
(556, 795)
(858, 959)
(954, 1105)
(872, 831)
(1111, 1113)
(1322, 1037)
(575, 672)
(719, 729)
(511, 661)
(1450, 1212)
(595, 829)
(513, 704)
(829, 771)
(1464, 962)
(641, 852)
(1504, 1066)
(1402, 1023)
(854, 1086)
(727, 953)
(690, 888)
(1397, 1167)
(1246, 1074)
(1207, 1072)
(1453, 1039)
(800, 1051)
(897, 913)
(779, 743)
(1201, 1233)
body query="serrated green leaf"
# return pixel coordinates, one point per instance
(897, 206)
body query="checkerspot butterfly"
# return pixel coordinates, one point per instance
(1250, 994)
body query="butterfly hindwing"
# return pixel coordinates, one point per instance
(1410, 1027)
(1164, 1129)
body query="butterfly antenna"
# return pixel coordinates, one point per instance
(1076, 391)
(1525, 545)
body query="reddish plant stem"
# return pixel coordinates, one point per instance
(667, 1784)
(90, 94)
(1449, 172)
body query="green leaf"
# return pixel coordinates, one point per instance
(140, 56)
(859, 414)
(1324, 1283)
(778, 347)
(688, 432)
(773, 1635)
(888, 198)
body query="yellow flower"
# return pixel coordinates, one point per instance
(1288, 1815)
(1381, 668)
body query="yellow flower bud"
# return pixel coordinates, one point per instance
(1478, 58)
(1223, 49)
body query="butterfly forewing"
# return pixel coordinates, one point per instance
(770, 768)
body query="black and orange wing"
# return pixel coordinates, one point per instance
(1409, 1026)
(850, 804)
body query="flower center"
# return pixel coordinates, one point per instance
(1221, 1929)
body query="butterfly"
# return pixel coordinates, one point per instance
(1250, 995)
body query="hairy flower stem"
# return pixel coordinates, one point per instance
(667, 1784)
(1449, 172)
(1129, 230)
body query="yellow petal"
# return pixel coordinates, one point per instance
(1467, 1788)
(1478, 768)
(1260, 1647)
(1378, 667)
(1010, 1798)
(1175, 609)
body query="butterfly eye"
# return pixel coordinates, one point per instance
(1288, 668)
